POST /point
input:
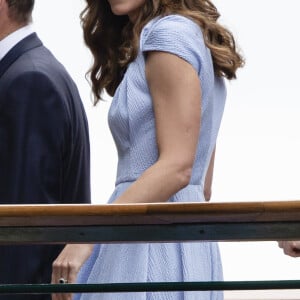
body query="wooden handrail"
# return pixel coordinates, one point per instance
(165, 222)
(158, 213)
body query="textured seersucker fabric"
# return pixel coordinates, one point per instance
(132, 124)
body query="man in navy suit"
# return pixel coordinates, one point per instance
(44, 142)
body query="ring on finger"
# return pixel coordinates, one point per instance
(62, 280)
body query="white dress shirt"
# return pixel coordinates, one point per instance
(14, 38)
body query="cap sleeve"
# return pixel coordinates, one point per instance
(177, 35)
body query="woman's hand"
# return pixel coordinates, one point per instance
(67, 265)
(291, 248)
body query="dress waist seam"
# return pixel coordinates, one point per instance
(131, 181)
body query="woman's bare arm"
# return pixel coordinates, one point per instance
(175, 89)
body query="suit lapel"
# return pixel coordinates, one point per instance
(28, 43)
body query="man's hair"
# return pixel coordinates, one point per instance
(20, 10)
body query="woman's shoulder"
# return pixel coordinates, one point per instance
(172, 28)
(171, 21)
(178, 35)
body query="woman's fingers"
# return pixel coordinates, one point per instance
(67, 266)
(60, 275)
(291, 248)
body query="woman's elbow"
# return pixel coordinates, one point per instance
(184, 175)
(178, 172)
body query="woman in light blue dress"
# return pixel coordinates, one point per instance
(163, 61)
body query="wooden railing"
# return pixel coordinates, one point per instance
(166, 222)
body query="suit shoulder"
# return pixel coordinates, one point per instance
(35, 90)
(40, 60)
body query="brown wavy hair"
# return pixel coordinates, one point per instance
(114, 40)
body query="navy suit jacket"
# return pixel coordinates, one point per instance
(44, 150)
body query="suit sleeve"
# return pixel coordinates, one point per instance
(33, 131)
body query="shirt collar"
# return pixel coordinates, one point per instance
(14, 38)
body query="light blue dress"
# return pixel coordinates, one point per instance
(131, 120)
